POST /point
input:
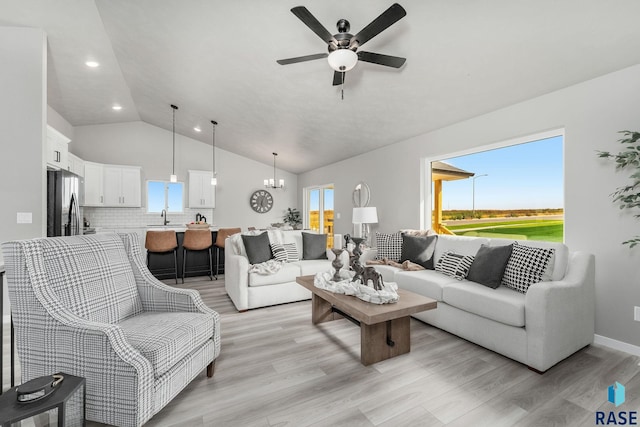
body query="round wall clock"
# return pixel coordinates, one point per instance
(261, 201)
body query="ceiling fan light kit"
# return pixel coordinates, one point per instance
(342, 60)
(343, 47)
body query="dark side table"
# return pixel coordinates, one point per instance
(12, 348)
(11, 411)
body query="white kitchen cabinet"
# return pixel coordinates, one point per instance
(201, 192)
(122, 186)
(76, 165)
(93, 184)
(57, 149)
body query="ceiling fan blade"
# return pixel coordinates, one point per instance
(310, 21)
(302, 58)
(338, 78)
(378, 25)
(380, 59)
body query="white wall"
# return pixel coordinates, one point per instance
(591, 113)
(22, 125)
(141, 144)
(59, 123)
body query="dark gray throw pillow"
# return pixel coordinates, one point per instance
(314, 246)
(489, 264)
(257, 247)
(418, 250)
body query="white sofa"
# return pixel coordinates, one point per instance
(253, 290)
(550, 322)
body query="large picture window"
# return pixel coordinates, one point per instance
(318, 211)
(165, 195)
(515, 191)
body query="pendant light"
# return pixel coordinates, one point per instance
(271, 183)
(214, 178)
(174, 177)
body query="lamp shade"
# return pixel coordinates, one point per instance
(342, 59)
(366, 215)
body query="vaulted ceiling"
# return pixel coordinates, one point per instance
(217, 60)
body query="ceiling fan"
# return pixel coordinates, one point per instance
(343, 47)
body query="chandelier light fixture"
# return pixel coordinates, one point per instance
(214, 178)
(271, 182)
(174, 177)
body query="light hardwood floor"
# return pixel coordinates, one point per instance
(277, 369)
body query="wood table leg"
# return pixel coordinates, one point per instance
(384, 340)
(320, 310)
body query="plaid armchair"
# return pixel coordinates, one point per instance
(88, 306)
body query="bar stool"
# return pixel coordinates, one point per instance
(196, 240)
(162, 242)
(223, 233)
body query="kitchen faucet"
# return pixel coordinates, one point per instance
(164, 215)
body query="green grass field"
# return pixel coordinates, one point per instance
(547, 230)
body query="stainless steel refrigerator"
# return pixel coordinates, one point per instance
(64, 197)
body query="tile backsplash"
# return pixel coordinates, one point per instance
(138, 217)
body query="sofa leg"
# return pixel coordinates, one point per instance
(210, 368)
(243, 311)
(536, 371)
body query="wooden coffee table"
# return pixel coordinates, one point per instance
(384, 328)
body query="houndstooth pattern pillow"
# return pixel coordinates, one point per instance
(389, 246)
(454, 265)
(526, 267)
(285, 252)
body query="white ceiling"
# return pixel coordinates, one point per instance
(217, 60)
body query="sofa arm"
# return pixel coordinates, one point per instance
(236, 280)
(560, 315)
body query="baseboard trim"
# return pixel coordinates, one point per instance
(617, 345)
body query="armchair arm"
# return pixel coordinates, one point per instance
(155, 295)
(560, 315)
(236, 280)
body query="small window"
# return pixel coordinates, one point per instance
(165, 195)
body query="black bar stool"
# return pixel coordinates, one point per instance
(196, 240)
(162, 242)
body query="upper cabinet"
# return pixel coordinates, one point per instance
(75, 165)
(93, 184)
(57, 149)
(112, 185)
(121, 186)
(201, 192)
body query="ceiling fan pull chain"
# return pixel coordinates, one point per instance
(342, 87)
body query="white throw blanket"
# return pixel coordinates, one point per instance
(268, 267)
(388, 294)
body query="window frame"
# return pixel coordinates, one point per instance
(166, 196)
(425, 167)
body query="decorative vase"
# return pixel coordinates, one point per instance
(357, 251)
(337, 264)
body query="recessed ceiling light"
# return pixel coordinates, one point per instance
(92, 64)
(117, 107)
(197, 129)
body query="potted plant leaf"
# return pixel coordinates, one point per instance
(628, 196)
(292, 217)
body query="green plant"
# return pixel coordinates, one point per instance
(628, 196)
(292, 217)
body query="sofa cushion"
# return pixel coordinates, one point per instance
(258, 248)
(454, 265)
(418, 250)
(503, 304)
(287, 273)
(313, 266)
(489, 264)
(389, 246)
(167, 338)
(557, 266)
(426, 282)
(314, 246)
(526, 266)
(462, 245)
